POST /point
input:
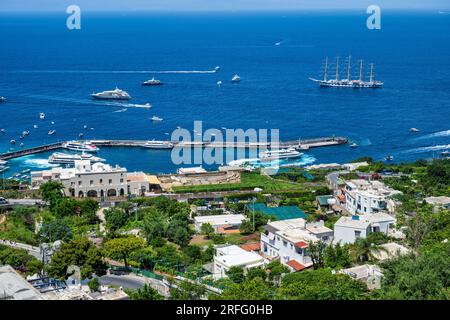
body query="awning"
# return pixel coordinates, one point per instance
(301, 244)
(294, 264)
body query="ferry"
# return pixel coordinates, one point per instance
(84, 146)
(152, 82)
(115, 94)
(155, 118)
(348, 82)
(288, 153)
(42, 116)
(65, 158)
(154, 144)
(52, 132)
(236, 78)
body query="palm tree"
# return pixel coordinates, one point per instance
(364, 250)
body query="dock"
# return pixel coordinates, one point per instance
(297, 144)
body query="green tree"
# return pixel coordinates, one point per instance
(316, 251)
(320, 284)
(249, 289)
(364, 250)
(337, 256)
(276, 270)
(236, 274)
(122, 248)
(187, 290)
(246, 227)
(94, 284)
(155, 225)
(19, 259)
(78, 252)
(53, 230)
(256, 273)
(207, 229)
(144, 293)
(51, 192)
(115, 218)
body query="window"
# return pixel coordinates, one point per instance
(91, 182)
(79, 183)
(121, 180)
(110, 181)
(357, 234)
(101, 180)
(285, 243)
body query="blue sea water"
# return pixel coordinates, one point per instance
(44, 67)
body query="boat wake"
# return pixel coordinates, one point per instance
(256, 163)
(35, 162)
(444, 133)
(428, 149)
(116, 71)
(121, 110)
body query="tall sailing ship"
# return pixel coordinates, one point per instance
(348, 82)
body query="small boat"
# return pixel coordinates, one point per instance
(216, 68)
(236, 78)
(219, 83)
(53, 122)
(155, 118)
(24, 177)
(35, 126)
(2, 99)
(42, 116)
(52, 132)
(154, 144)
(21, 144)
(277, 43)
(353, 145)
(414, 130)
(25, 133)
(152, 82)
(3, 168)
(145, 105)
(21, 137)
(81, 134)
(3, 130)
(389, 158)
(13, 141)
(16, 175)
(85, 127)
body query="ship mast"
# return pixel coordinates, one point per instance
(371, 72)
(360, 69)
(325, 75)
(337, 68)
(348, 67)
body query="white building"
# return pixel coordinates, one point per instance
(221, 222)
(349, 229)
(93, 180)
(363, 196)
(370, 274)
(288, 240)
(228, 256)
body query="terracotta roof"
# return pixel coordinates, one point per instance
(224, 230)
(341, 197)
(301, 244)
(251, 246)
(295, 265)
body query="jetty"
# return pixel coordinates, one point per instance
(297, 144)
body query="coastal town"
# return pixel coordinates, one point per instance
(94, 231)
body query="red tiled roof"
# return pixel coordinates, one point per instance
(296, 265)
(301, 244)
(251, 246)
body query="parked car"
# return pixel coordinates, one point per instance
(3, 201)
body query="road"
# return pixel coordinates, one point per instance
(124, 281)
(21, 202)
(34, 251)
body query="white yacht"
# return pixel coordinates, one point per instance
(236, 78)
(3, 168)
(65, 158)
(42, 116)
(51, 132)
(115, 94)
(155, 118)
(155, 144)
(84, 146)
(152, 82)
(279, 154)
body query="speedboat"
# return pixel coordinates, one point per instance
(116, 94)
(52, 132)
(155, 118)
(84, 146)
(25, 133)
(353, 145)
(216, 68)
(389, 158)
(2, 130)
(152, 82)
(42, 116)
(219, 83)
(145, 105)
(155, 144)
(13, 141)
(35, 126)
(414, 130)
(65, 158)
(2, 99)
(279, 154)
(236, 78)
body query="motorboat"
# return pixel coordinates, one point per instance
(2, 99)
(65, 158)
(389, 158)
(155, 118)
(51, 132)
(155, 144)
(84, 146)
(152, 82)
(42, 116)
(414, 130)
(116, 94)
(353, 145)
(235, 78)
